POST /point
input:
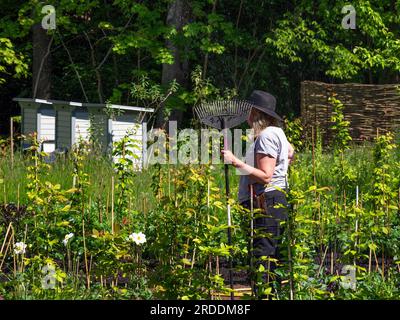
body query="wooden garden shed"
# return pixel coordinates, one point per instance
(60, 124)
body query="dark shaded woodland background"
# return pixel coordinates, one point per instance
(128, 52)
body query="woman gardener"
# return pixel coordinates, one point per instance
(271, 153)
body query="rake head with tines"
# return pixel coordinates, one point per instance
(223, 114)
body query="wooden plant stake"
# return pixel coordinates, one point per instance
(112, 205)
(12, 142)
(85, 254)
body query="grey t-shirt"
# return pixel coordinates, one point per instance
(271, 141)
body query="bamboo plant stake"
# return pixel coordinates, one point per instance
(112, 204)
(107, 205)
(12, 142)
(370, 260)
(320, 222)
(100, 202)
(322, 261)
(77, 270)
(333, 251)
(23, 254)
(356, 224)
(4, 243)
(292, 293)
(208, 200)
(145, 211)
(90, 206)
(208, 218)
(18, 196)
(376, 261)
(383, 263)
(169, 182)
(85, 255)
(313, 155)
(252, 284)
(7, 247)
(13, 242)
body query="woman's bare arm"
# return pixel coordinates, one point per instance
(265, 163)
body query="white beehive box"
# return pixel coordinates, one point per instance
(46, 121)
(61, 124)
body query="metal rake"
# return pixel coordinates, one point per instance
(223, 115)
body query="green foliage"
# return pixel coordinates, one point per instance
(340, 127)
(149, 94)
(118, 52)
(294, 133)
(126, 162)
(204, 90)
(184, 218)
(188, 233)
(11, 59)
(99, 48)
(337, 226)
(341, 137)
(307, 31)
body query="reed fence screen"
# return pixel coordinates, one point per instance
(369, 108)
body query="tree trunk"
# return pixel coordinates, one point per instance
(41, 62)
(178, 16)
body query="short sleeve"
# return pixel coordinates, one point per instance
(267, 143)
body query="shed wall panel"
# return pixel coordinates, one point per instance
(64, 119)
(99, 123)
(30, 120)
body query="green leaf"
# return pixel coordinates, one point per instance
(66, 208)
(268, 291)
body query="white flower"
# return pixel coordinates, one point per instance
(67, 238)
(132, 237)
(137, 238)
(19, 248)
(141, 238)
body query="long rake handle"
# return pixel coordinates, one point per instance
(229, 228)
(227, 193)
(251, 238)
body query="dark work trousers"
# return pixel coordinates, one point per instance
(268, 229)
